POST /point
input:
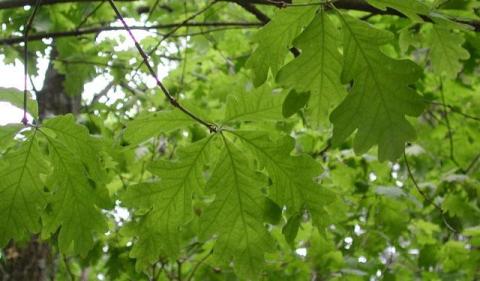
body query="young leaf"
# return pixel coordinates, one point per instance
(152, 124)
(380, 97)
(169, 202)
(317, 70)
(21, 191)
(275, 39)
(259, 105)
(15, 97)
(236, 213)
(446, 51)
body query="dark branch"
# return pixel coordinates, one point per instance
(95, 30)
(8, 4)
(357, 5)
(249, 7)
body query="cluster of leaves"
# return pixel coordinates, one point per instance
(289, 185)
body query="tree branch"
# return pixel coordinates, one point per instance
(424, 195)
(171, 32)
(95, 30)
(249, 7)
(9, 4)
(211, 127)
(357, 5)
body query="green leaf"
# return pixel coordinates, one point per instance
(446, 51)
(169, 202)
(317, 70)
(15, 97)
(7, 133)
(292, 176)
(259, 105)
(425, 232)
(294, 102)
(77, 138)
(410, 8)
(75, 196)
(275, 39)
(290, 229)
(152, 124)
(75, 50)
(235, 215)
(22, 196)
(273, 212)
(454, 255)
(380, 97)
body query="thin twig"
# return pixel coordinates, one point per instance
(454, 109)
(472, 164)
(85, 19)
(424, 195)
(211, 127)
(179, 270)
(195, 268)
(283, 4)
(185, 61)
(154, 7)
(102, 93)
(33, 84)
(67, 265)
(449, 127)
(28, 26)
(184, 23)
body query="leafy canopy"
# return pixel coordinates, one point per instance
(299, 140)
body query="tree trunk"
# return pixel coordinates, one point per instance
(34, 261)
(52, 99)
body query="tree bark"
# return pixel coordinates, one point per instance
(29, 262)
(52, 98)
(35, 261)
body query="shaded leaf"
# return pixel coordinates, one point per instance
(259, 105)
(380, 97)
(152, 124)
(275, 39)
(169, 202)
(236, 213)
(22, 196)
(446, 51)
(317, 70)
(292, 177)
(294, 102)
